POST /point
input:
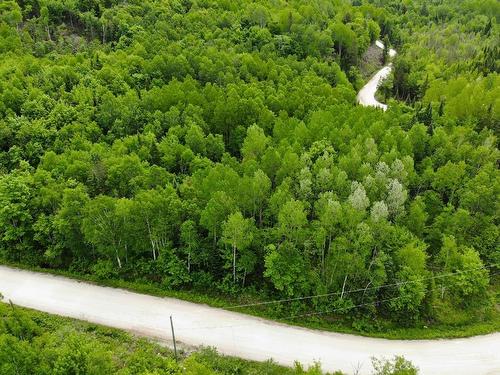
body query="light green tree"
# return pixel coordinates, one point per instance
(291, 219)
(190, 241)
(215, 212)
(238, 233)
(255, 143)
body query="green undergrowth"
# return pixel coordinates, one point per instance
(38, 343)
(472, 324)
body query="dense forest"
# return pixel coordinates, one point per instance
(216, 146)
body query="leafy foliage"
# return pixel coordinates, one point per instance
(216, 145)
(39, 344)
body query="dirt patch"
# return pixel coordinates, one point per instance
(371, 61)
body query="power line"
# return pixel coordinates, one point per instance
(353, 307)
(313, 313)
(272, 302)
(344, 308)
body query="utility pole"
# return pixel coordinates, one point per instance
(173, 337)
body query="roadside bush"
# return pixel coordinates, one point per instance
(397, 366)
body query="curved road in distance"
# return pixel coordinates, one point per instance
(366, 95)
(242, 335)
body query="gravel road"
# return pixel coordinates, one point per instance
(366, 95)
(241, 335)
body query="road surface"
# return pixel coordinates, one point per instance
(366, 95)
(241, 335)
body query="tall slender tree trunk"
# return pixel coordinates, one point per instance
(151, 239)
(364, 292)
(118, 259)
(234, 264)
(343, 288)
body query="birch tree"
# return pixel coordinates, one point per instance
(238, 233)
